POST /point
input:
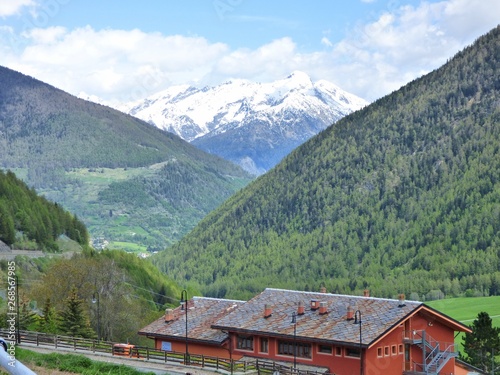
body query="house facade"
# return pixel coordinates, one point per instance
(198, 315)
(339, 334)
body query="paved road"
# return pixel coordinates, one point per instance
(10, 255)
(157, 367)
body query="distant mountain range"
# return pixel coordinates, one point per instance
(402, 196)
(132, 184)
(252, 124)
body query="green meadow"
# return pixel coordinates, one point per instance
(465, 310)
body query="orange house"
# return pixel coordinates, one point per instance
(341, 334)
(169, 332)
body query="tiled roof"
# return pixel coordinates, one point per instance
(202, 313)
(377, 314)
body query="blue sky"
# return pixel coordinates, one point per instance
(123, 50)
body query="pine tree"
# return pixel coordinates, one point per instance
(27, 316)
(7, 229)
(73, 320)
(48, 321)
(483, 344)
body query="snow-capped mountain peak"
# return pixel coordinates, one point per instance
(280, 114)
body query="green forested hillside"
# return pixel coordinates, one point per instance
(95, 161)
(130, 290)
(27, 219)
(401, 196)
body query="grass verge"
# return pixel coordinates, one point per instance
(73, 363)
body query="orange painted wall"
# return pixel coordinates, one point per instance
(385, 357)
(436, 332)
(200, 349)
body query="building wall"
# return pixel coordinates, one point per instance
(385, 357)
(436, 332)
(200, 349)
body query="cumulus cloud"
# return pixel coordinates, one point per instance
(115, 63)
(375, 58)
(404, 43)
(12, 7)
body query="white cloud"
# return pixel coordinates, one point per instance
(13, 7)
(376, 58)
(265, 62)
(114, 63)
(406, 42)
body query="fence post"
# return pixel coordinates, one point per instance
(37, 341)
(55, 341)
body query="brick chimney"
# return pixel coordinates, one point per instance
(401, 300)
(301, 309)
(366, 293)
(350, 313)
(314, 304)
(322, 308)
(268, 311)
(169, 315)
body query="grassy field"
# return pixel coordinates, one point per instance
(465, 310)
(65, 364)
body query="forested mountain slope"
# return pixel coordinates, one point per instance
(127, 180)
(401, 196)
(26, 217)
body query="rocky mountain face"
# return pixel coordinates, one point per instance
(252, 124)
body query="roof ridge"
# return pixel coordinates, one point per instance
(218, 299)
(340, 295)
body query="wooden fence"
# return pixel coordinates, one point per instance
(258, 366)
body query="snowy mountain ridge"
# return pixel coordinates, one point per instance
(252, 124)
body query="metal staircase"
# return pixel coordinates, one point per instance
(435, 354)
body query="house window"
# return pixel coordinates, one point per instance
(264, 345)
(352, 352)
(379, 352)
(327, 349)
(386, 351)
(287, 348)
(338, 351)
(401, 349)
(394, 350)
(245, 342)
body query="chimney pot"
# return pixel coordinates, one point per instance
(350, 313)
(268, 311)
(169, 315)
(366, 293)
(314, 304)
(401, 300)
(301, 308)
(322, 308)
